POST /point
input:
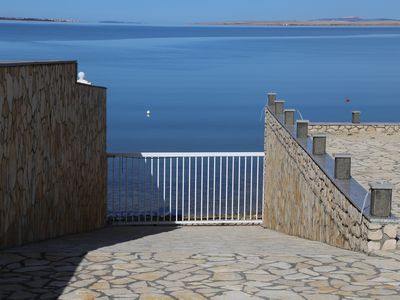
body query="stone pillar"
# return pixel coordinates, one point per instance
(289, 117)
(319, 144)
(302, 129)
(381, 199)
(279, 107)
(271, 99)
(342, 166)
(355, 117)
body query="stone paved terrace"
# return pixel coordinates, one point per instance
(375, 156)
(194, 263)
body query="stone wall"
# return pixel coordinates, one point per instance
(349, 128)
(52, 152)
(302, 200)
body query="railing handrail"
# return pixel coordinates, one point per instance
(185, 154)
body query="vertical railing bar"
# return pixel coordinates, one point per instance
(233, 185)
(158, 189)
(170, 188)
(126, 190)
(113, 189)
(220, 187)
(176, 189)
(201, 187)
(195, 188)
(190, 183)
(145, 189)
(208, 186)
(263, 187)
(122, 187)
(257, 185)
(251, 188)
(142, 182)
(139, 190)
(226, 187)
(152, 188)
(238, 201)
(164, 187)
(133, 189)
(183, 188)
(119, 187)
(245, 188)
(214, 187)
(142, 187)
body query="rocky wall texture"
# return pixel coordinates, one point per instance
(349, 128)
(52, 153)
(301, 200)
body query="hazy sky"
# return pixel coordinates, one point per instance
(186, 11)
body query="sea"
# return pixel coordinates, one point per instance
(205, 87)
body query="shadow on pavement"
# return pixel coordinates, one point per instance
(43, 270)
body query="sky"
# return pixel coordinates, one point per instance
(188, 11)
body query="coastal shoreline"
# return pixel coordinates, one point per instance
(304, 23)
(38, 20)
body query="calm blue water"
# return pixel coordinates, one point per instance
(206, 86)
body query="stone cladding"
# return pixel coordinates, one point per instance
(52, 153)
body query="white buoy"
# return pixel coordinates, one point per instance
(81, 78)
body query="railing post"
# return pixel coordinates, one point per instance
(319, 144)
(302, 129)
(342, 166)
(271, 99)
(355, 117)
(381, 199)
(279, 107)
(289, 117)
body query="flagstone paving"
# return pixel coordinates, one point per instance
(243, 262)
(375, 156)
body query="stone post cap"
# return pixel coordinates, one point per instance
(303, 121)
(289, 110)
(271, 94)
(356, 112)
(342, 155)
(381, 185)
(279, 101)
(319, 136)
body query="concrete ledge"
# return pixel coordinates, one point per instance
(354, 128)
(17, 63)
(355, 124)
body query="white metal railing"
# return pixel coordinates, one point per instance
(185, 188)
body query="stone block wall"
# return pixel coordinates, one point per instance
(301, 199)
(52, 152)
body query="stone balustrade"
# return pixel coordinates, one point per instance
(308, 195)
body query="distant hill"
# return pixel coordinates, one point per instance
(118, 22)
(37, 20)
(355, 19)
(346, 21)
